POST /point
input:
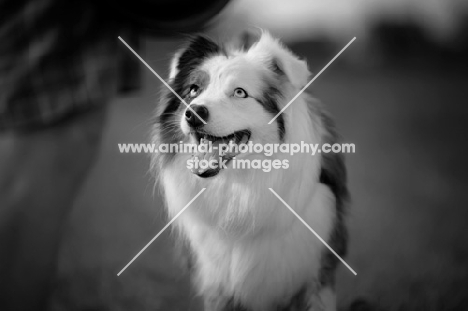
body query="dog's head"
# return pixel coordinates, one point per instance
(232, 93)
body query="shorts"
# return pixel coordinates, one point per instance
(59, 58)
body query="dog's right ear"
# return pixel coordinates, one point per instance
(196, 50)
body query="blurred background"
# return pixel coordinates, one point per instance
(399, 93)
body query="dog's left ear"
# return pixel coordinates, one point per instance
(246, 39)
(280, 59)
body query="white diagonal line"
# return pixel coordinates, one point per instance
(308, 84)
(312, 230)
(162, 230)
(162, 80)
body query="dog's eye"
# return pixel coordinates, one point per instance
(240, 93)
(194, 90)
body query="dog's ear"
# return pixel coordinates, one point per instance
(280, 59)
(246, 39)
(196, 50)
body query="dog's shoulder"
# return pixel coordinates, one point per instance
(333, 174)
(333, 170)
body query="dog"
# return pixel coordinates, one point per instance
(250, 253)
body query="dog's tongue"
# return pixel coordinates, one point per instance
(208, 153)
(212, 155)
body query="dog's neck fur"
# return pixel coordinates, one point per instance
(248, 246)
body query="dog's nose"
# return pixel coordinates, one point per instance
(192, 119)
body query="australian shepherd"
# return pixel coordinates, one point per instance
(250, 252)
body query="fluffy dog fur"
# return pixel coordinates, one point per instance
(250, 252)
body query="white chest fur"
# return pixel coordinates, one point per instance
(247, 244)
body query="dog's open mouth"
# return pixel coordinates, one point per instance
(217, 152)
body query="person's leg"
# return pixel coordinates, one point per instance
(40, 174)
